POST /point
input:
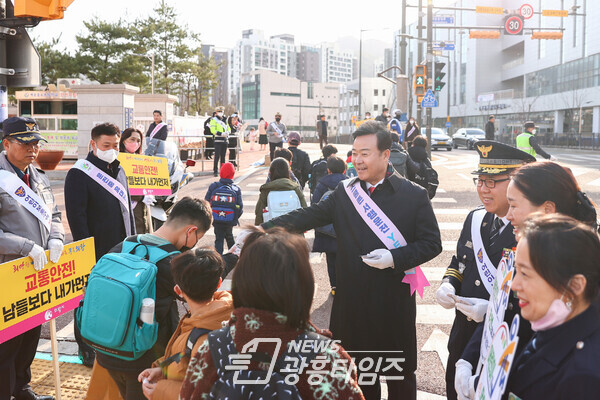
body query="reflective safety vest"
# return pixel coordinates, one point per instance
(523, 143)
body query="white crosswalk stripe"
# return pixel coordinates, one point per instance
(443, 200)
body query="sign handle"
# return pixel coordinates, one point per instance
(55, 364)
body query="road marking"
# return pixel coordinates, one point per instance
(578, 171)
(438, 342)
(451, 211)
(434, 314)
(449, 245)
(255, 184)
(443, 200)
(469, 178)
(316, 258)
(435, 274)
(440, 190)
(463, 166)
(595, 183)
(446, 163)
(450, 226)
(429, 396)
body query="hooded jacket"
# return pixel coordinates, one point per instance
(280, 184)
(210, 317)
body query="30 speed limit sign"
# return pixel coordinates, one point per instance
(526, 11)
(513, 25)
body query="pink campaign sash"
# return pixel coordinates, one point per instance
(109, 184)
(385, 230)
(156, 129)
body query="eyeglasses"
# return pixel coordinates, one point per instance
(489, 183)
(34, 145)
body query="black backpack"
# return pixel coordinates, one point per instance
(318, 169)
(427, 177)
(266, 387)
(191, 342)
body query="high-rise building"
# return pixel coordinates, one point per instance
(220, 94)
(256, 52)
(336, 66)
(308, 67)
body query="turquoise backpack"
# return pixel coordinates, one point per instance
(109, 313)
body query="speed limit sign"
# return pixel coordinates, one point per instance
(526, 11)
(513, 25)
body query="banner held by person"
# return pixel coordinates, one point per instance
(31, 298)
(146, 175)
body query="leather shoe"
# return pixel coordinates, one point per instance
(28, 394)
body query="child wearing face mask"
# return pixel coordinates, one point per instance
(186, 224)
(131, 142)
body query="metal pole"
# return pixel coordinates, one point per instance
(430, 69)
(419, 52)
(403, 42)
(300, 116)
(360, 76)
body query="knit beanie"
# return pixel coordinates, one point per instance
(227, 171)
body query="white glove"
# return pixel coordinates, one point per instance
(472, 307)
(552, 158)
(239, 241)
(56, 247)
(442, 295)
(149, 200)
(462, 380)
(38, 255)
(380, 258)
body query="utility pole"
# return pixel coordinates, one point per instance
(360, 77)
(403, 42)
(430, 70)
(419, 52)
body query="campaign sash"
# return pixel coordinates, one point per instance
(274, 125)
(410, 132)
(157, 128)
(385, 230)
(111, 185)
(26, 197)
(486, 269)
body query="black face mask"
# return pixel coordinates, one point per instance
(185, 248)
(277, 119)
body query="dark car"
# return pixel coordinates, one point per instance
(467, 137)
(439, 139)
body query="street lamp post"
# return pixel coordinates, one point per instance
(151, 58)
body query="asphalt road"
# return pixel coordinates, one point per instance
(455, 198)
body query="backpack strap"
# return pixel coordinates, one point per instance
(191, 342)
(221, 346)
(154, 253)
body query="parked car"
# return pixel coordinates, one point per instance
(439, 139)
(467, 137)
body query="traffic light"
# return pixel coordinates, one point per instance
(438, 82)
(420, 80)
(44, 9)
(484, 34)
(547, 35)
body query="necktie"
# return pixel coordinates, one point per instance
(26, 179)
(495, 231)
(371, 189)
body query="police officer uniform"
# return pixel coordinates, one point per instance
(463, 272)
(20, 232)
(220, 129)
(527, 142)
(559, 363)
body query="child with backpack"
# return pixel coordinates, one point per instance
(279, 196)
(421, 171)
(318, 168)
(225, 199)
(273, 288)
(197, 276)
(325, 237)
(116, 316)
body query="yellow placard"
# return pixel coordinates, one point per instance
(146, 175)
(489, 10)
(555, 13)
(29, 297)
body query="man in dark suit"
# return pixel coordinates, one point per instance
(373, 310)
(466, 275)
(490, 128)
(92, 208)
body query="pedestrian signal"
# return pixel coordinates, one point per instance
(420, 80)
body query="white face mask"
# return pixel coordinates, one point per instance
(107, 155)
(219, 114)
